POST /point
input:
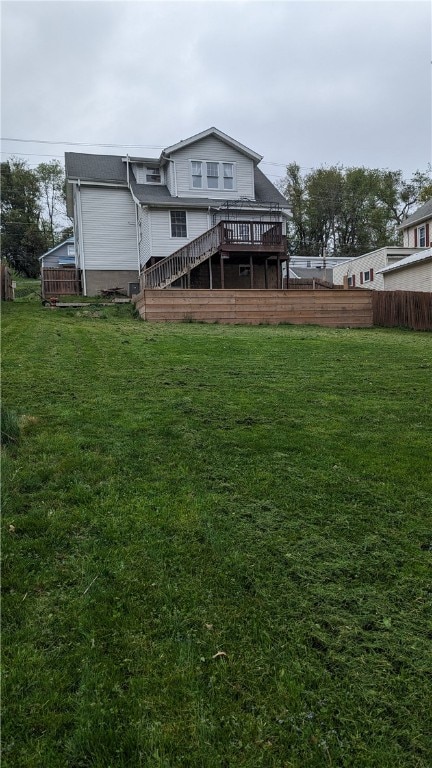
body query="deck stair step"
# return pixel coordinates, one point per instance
(181, 262)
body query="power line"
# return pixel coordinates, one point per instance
(122, 146)
(81, 143)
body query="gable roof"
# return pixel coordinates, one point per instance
(51, 250)
(221, 135)
(408, 261)
(424, 212)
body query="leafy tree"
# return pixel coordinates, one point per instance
(23, 241)
(51, 179)
(348, 211)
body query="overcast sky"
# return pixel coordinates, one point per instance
(313, 82)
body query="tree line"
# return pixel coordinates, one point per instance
(349, 211)
(33, 213)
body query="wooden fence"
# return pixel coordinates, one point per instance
(330, 308)
(60, 282)
(405, 309)
(7, 293)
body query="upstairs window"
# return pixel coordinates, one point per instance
(153, 176)
(421, 236)
(196, 174)
(228, 175)
(212, 175)
(178, 224)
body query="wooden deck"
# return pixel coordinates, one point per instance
(251, 307)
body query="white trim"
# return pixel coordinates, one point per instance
(204, 176)
(178, 210)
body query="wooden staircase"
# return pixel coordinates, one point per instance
(181, 262)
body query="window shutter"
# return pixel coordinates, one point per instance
(361, 278)
(427, 235)
(371, 274)
(415, 238)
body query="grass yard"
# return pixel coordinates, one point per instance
(215, 544)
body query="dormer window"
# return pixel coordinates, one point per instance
(209, 174)
(145, 174)
(153, 176)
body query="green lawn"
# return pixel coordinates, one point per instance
(185, 490)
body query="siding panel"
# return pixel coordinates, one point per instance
(418, 277)
(109, 228)
(162, 242)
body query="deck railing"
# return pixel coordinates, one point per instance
(249, 234)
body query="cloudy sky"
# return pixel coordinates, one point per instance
(313, 82)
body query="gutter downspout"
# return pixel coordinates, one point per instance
(137, 239)
(136, 214)
(81, 238)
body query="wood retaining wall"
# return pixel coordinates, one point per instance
(332, 308)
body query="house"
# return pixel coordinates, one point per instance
(365, 271)
(59, 257)
(413, 273)
(201, 215)
(417, 228)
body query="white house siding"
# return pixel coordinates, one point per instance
(213, 149)
(109, 229)
(417, 277)
(162, 244)
(375, 260)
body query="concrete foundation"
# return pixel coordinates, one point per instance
(102, 279)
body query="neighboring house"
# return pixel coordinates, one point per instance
(365, 271)
(417, 228)
(413, 273)
(59, 257)
(202, 214)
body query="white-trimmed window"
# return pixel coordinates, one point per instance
(178, 223)
(212, 174)
(153, 176)
(196, 174)
(228, 175)
(421, 236)
(71, 250)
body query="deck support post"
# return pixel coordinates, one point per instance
(266, 273)
(188, 278)
(251, 270)
(278, 272)
(222, 272)
(210, 273)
